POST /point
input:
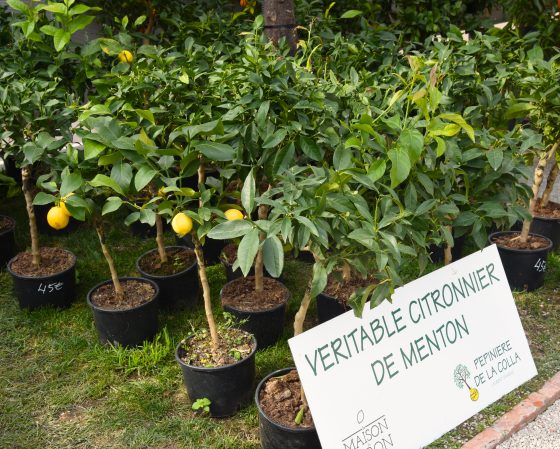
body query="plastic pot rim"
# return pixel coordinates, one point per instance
(126, 278)
(50, 276)
(257, 312)
(517, 250)
(10, 229)
(215, 368)
(264, 415)
(166, 276)
(536, 217)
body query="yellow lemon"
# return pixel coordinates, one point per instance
(63, 205)
(57, 218)
(181, 224)
(474, 394)
(233, 214)
(126, 56)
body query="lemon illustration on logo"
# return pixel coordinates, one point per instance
(474, 394)
(460, 376)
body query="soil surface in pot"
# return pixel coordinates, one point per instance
(241, 294)
(552, 210)
(178, 259)
(234, 346)
(53, 261)
(136, 293)
(512, 241)
(229, 254)
(6, 223)
(280, 400)
(342, 290)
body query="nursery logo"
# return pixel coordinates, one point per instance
(460, 376)
(373, 435)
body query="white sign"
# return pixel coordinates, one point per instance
(449, 345)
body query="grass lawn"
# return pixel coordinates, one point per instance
(60, 389)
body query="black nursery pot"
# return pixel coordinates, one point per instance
(129, 327)
(329, 307)
(57, 290)
(525, 268)
(277, 436)
(7, 242)
(228, 388)
(266, 325)
(547, 227)
(176, 291)
(211, 248)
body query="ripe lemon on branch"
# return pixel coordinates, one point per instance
(126, 56)
(57, 218)
(233, 214)
(62, 203)
(182, 224)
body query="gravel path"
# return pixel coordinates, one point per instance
(542, 433)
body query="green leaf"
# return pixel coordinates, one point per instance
(310, 148)
(441, 147)
(18, 5)
(216, 151)
(262, 113)
(57, 8)
(105, 181)
(143, 177)
(284, 158)
(466, 218)
(377, 170)
(518, 110)
(49, 30)
(248, 193)
(459, 120)
(122, 174)
(273, 255)
(43, 198)
(79, 23)
(247, 250)
(400, 165)
(350, 14)
(342, 158)
(71, 183)
(230, 230)
(308, 224)
(495, 158)
(112, 204)
(412, 141)
(61, 38)
(146, 114)
(275, 139)
(319, 280)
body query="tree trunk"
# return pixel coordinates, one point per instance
(537, 181)
(25, 181)
(202, 271)
(259, 260)
(302, 312)
(159, 240)
(280, 22)
(119, 293)
(552, 176)
(346, 272)
(447, 254)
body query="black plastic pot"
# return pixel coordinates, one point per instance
(525, 268)
(58, 290)
(548, 227)
(228, 388)
(128, 327)
(266, 325)
(7, 243)
(277, 436)
(329, 307)
(176, 291)
(211, 248)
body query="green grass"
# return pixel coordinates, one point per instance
(60, 389)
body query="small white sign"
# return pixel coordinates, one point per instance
(450, 344)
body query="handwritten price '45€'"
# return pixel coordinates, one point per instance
(50, 288)
(540, 266)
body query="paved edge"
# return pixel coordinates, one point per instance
(514, 420)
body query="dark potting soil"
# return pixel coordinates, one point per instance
(241, 295)
(342, 290)
(178, 259)
(6, 223)
(229, 254)
(552, 210)
(512, 241)
(280, 400)
(234, 345)
(136, 293)
(53, 261)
